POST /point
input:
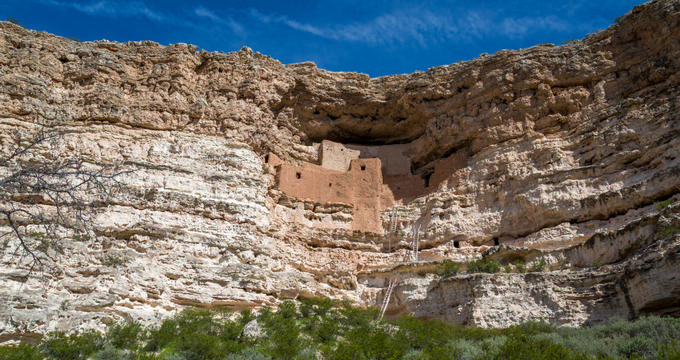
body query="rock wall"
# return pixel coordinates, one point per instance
(554, 152)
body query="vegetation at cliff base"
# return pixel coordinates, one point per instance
(323, 329)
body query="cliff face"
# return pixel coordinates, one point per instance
(558, 155)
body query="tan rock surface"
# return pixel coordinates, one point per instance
(563, 150)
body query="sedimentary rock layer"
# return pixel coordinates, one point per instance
(563, 152)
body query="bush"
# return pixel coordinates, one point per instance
(124, 336)
(448, 269)
(15, 21)
(663, 204)
(72, 347)
(521, 266)
(247, 354)
(521, 346)
(317, 328)
(21, 352)
(668, 351)
(467, 349)
(538, 265)
(484, 265)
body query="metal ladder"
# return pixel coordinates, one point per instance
(393, 227)
(415, 245)
(386, 300)
(395, 218)
(416, 241)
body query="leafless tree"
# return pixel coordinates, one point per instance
(45, 196)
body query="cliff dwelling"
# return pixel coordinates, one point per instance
(541, 183)
(370, 179)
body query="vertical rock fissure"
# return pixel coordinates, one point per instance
(626, 294)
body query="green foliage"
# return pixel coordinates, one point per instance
(114, 260)
(668, 230)
(247, 354)
(663, 204)
(484, 265)
(21, 352)
(538, 265)
(324, 329)
(669, 351)
(72, 347)
(125, 336)
(521, 266)
(81, 237)
(522, 346)
(623, 338)
(15, 21)
(448, 269)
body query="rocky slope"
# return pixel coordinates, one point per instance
(567, 150)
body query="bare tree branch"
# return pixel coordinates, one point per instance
(41, 198)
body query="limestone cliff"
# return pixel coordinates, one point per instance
(552, 154)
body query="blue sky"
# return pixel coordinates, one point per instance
(373, 37)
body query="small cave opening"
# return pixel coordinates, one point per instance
(456, 244)
(298, 175)
(496, 242)
(266, 158)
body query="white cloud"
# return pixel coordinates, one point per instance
(517, 28)
(235, 27)
(116, 9)
(422, 27)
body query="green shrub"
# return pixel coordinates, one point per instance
(484, 265)
(668, 351)
(663, 204)
(124, 336)
(161, 336)
(521, 266)
(111, 353)
(21, 352)
(522, 346)
(15, 21)
(467, 349)
(247, 354)
(320, 329)
(72, 347)
(538, 265)
(448, 269)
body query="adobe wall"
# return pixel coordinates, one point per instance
(315, 183)
(336, 156)
(395, 158)
(367, 183)
(361, 186)
(370, 185)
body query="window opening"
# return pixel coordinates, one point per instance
(426, 177)
(298, 175)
